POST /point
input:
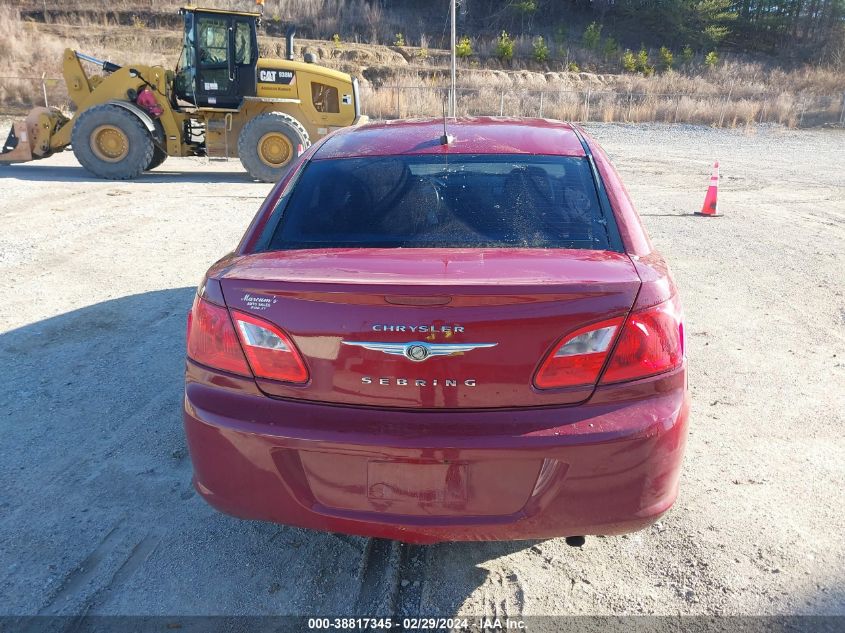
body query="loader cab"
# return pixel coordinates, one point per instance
(219, 57)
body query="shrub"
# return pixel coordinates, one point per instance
(399, 40)
(711, 59)
(504, 47)
(592, 36)
(629, 61)
(573, 68)
(687, 54)
(642, 62)
(463, 48)
(666, 58)
(336, 40)
(541, 51)
(642, 58)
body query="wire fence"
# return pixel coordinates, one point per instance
(21, 92)
(587, 104)
(583, 105)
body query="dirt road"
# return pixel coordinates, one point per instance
(97, 514)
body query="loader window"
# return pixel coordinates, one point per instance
(213, 41)
(243, 43)
(455, 201)
(214, 82)
(324, 98)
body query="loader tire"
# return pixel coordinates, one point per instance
(159, 156)
(267, 145)
(160, 147)
(111, 142)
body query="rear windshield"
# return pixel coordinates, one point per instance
(456, 201)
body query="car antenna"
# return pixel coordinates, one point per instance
(447, 138)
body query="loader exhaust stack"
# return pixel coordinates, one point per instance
(291, 31)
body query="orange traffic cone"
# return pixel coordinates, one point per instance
(711, 204)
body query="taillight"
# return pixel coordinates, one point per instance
(578, 359)
(650, 343)
(256, 348)
(212, 340)
(270, 351)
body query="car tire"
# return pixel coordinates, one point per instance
(111, 142)
(269, 143)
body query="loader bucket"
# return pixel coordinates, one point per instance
(17, 149)
(34, 137)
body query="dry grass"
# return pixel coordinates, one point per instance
(354, 20)
(24, 55)
(597, 103)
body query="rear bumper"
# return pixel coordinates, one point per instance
(609, 467)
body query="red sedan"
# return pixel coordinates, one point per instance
(432, 338)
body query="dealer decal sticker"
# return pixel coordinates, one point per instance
(258, 302)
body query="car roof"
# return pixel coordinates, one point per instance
(470, 135)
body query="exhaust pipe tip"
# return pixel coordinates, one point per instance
(576, 541)
(289, 33)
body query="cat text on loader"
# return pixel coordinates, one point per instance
(223, 100)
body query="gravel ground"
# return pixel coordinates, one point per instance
(97, 514)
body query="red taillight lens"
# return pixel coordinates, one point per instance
(212, 340)
(578, 359)
(270, 351)
(650, 343)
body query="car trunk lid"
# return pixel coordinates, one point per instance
(353, 313)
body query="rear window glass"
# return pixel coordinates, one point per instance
(456, 201)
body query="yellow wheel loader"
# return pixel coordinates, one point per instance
(222, 101)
